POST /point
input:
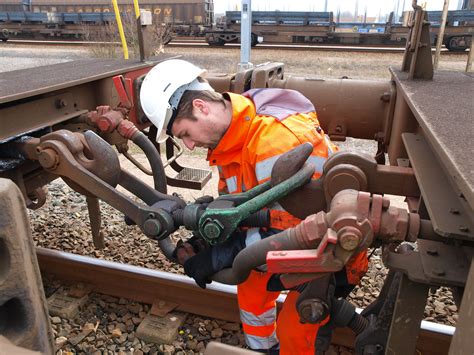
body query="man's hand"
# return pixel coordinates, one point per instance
(201, 261)
(183, 252)
(200, 268)
(196, 257)
(189, 248)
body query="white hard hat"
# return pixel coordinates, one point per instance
(163, 88)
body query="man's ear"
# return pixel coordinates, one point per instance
(201, 106)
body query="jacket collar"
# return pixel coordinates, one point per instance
(230, 146)
(279, 103)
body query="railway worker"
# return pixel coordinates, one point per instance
(244, 135)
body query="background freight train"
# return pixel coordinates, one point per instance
(66, 18)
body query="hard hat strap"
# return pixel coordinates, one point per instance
(174, 100)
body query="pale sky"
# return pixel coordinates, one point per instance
(373, 6)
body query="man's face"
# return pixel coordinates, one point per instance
(205, 132)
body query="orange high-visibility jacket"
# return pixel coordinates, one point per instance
(267, 123)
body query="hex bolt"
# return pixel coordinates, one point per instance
(152, 227)
(311, 311)
(438, 271)
(48, 158)
(432, 252)
(60, 103)
(213, 228)
(385, 97)
(349, 238)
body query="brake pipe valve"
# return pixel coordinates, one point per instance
(328, 240)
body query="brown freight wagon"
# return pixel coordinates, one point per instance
(179, 12)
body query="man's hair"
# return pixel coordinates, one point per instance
(185, 107)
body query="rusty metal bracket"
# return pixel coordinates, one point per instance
(264, 75)
(435, 263)
(417, 60)
(243, 80)
(448, 211)
(445, 264)
(406, 317)
(187, 177)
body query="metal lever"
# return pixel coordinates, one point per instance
(317, 260)
(216, 225)
(95, 220)
(122, 85)
(67, 154)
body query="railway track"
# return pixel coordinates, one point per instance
(196, 43)
(217, 301)
(55, 42)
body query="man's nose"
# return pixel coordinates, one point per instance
(189, 143)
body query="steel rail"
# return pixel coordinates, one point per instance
(268, 46)
(55, 42)
(217, 301)
(307, 47)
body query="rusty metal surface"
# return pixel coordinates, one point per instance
(325, 242)
(462, 339)
(406, 318)
(443, 108)
(19, 84)
(422, 267)
(290, 163)
(142, 284)
(23, 313)
(24, 116)
(346, 107)
(417, 61)
(443, 263)
(70, 156)
(403, 121)
(146, 285)
(344, 170)
(449, 214)
(38, 98)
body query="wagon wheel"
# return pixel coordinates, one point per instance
(453, 46)
(218, 42)
(254, 40)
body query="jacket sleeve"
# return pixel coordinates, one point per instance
(274, 141)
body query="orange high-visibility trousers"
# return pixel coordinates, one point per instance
(294, 337)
